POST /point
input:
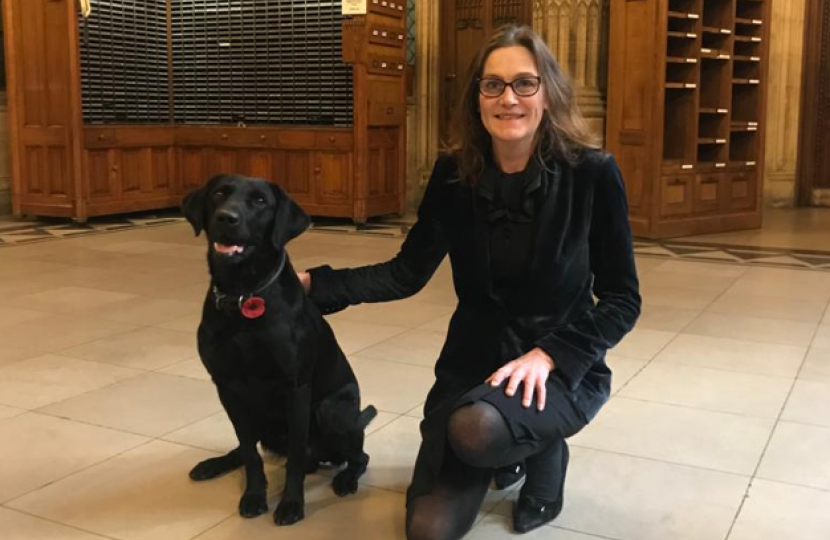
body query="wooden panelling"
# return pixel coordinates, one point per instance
(135, 167)
(162, 173)
(192, 169)
(686, 92)
(298, 174)
(332, 176)
(709, 193)
(676, 196)
(136, 152)
(98, 163)
(261, 165)
(743, 191)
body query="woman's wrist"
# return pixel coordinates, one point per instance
(545, 357)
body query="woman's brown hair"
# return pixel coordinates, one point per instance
(562, 133)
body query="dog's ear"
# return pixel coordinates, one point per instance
(289, 219)
(193, 206)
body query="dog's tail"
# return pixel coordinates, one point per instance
(367, 415)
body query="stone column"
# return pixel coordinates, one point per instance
(783, 102)
(423, 113)
(577, 33)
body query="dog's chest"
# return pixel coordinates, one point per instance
(261, 351)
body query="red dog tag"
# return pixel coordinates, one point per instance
(253, 307)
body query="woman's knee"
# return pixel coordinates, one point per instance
(478, 435)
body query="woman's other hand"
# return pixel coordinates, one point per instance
(305, 281)
(532, 369)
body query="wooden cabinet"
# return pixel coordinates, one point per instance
(117, 113)
(686, 94)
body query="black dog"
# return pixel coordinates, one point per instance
(280, 374)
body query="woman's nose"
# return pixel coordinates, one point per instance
(508, 97)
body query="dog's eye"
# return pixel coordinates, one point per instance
(219, 194)
(259, 200)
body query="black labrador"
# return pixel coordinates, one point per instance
(280, 374)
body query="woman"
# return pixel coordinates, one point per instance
(534, 219)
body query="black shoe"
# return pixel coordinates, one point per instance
(504, 477)
(531, 513)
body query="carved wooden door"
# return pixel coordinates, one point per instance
(813, 157)
(466, 26)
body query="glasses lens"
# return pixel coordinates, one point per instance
(525, 87)
(491, 87)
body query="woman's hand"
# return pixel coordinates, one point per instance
(532, 369)
(305, 281)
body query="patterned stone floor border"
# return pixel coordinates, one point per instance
(20, 232)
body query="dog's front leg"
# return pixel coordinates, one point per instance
(290, 510)
(253, 502)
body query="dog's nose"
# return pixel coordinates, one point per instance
(227, 217)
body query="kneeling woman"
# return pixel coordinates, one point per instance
(534, 219)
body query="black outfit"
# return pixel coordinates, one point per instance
(526, 265)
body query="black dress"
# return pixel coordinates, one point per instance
(580, 248)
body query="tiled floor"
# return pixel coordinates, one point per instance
(718, 428)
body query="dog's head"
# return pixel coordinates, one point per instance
(242, 215)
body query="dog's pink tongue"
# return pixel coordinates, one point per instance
(227, 250)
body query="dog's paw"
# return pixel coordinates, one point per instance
(288, 513)
(344, 483)
(252, 505)
(208, 469)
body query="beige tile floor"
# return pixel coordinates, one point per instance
(718, 428)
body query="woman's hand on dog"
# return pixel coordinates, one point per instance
(532, 369)
(305, 281)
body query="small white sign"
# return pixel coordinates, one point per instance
(354, 7)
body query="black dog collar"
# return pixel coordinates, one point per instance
(250, 305)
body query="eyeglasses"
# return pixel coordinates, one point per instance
(522, 87)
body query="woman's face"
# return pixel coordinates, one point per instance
(510, 119)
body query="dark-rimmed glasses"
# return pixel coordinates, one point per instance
(523, 86)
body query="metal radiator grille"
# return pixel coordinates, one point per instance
(233, 62)
(124, 70)
(260, 62)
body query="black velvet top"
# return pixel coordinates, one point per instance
(574, 295)
(511, 208)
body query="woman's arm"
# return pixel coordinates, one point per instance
(407, 273)
(575, 347)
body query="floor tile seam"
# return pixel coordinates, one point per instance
(663, 461)
(724, 370)
(83, 393)
(216, 525)
(758, 341)
(801, 423)
(399, 362)
(99, 426)
(358, 351)
(769, 439)
(118, 334)
(648, 361)
(398, 416)
(694, 408)
(78, 471)
(793, 484)
(49, 520)
(758, 315)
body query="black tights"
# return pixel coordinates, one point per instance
(480, 440)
